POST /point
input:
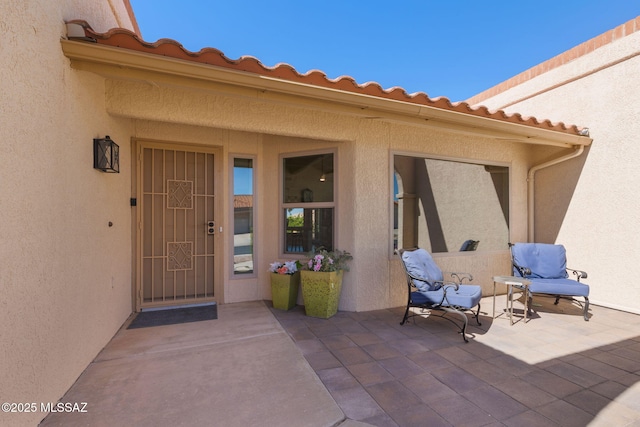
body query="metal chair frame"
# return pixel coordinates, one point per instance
(443, 305)
(526, 273)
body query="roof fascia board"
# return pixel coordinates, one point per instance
(115, 59)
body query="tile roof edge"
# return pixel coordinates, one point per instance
(126, 39)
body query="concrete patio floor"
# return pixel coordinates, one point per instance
(256, 366)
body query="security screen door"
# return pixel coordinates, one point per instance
(177, 228)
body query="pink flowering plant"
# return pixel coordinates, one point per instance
(325, 261)
(289, 267)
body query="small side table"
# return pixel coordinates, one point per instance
(511, 281)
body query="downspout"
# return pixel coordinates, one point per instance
(531, 184)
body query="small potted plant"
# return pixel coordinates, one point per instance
(322, 281)
(285, 281)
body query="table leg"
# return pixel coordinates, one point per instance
(494, 300)
(526, 302)
(510, 292)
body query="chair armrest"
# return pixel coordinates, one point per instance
(445, 285)
(414, 277)
(579, 273)
(442, 283)
(460, 277)
(524, 271)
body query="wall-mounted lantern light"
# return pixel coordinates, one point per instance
(106, 155)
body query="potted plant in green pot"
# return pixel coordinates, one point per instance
(285, 281)
(322, 282)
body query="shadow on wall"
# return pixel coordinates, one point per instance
(442, 203)
(554, 188)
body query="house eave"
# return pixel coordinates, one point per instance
(120, 63)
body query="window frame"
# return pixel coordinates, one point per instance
(282, 205)
(468, 160)
(232, 273)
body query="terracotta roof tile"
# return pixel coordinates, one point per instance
(123, 38)
(243, 201)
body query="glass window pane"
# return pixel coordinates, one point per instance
(242, 216)
(308, 179)
(448, 206)
(308, 229)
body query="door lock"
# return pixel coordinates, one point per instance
(211, 227)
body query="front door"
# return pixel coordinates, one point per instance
(177, 229)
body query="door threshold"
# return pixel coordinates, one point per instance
(173, 307)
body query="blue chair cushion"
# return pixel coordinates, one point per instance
(559, 287)
(466, 296)
(544, 260)
(419, 263)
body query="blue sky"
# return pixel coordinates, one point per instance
(451, 48)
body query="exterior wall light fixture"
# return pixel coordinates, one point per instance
(106, 155)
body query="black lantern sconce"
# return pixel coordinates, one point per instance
(106, 155)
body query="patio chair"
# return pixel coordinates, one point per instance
(429, 291)
(545, 265)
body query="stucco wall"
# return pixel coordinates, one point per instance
(364, 151)
(482, 264)
(65, 274)
(595, 213)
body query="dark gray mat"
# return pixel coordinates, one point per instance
(173, 316)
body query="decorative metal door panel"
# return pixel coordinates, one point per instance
(177, 259)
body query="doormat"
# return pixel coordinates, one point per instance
(174, 316)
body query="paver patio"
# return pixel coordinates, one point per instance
(246, 368)
(554, 370)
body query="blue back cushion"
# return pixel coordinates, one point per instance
(544, 260)
(420, 263)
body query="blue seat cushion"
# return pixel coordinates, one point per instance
(545, 261)
(566, 287)
(466, 296)
(419, 263)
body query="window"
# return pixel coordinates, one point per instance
(446, 206)
(243, 216)
(308, 203)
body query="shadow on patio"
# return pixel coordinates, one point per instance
(247, 368)
(555, 370)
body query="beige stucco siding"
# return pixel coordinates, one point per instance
(482, 264)
(597, 219)
(207, 107)
(364, 150)
(61, 301)
(380, 282)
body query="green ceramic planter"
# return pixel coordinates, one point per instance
(321, 293)
(284, 290)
